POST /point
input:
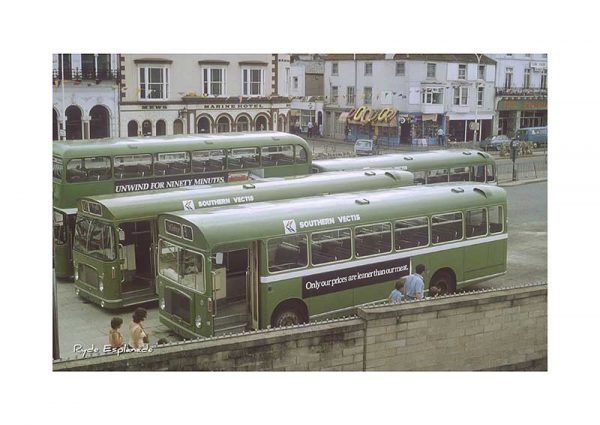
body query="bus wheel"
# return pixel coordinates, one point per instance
(287, 315)
(444, 280)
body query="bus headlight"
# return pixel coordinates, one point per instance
(100, 284)
(77, 291)
(198, 322)
(162, 304)
(76, 273)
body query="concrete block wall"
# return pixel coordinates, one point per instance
(495, 330)
(485, 331)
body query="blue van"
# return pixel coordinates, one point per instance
(537, 135)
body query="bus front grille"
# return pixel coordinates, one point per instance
(178, 305)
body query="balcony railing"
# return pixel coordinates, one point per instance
(521, 91)
(77, 74)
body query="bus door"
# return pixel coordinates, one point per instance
(253, 286)
(138, 272)
(231, 291)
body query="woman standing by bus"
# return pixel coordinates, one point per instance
(137, 335)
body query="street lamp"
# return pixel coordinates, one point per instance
(476, 128)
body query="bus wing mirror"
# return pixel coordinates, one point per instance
(121, 235)
(219, 258)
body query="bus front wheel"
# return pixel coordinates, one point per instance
(287, 315)
(445, 281)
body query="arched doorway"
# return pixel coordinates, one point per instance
(132, 128)
(54, 125)
(261, 123)
(223, 125)
(281, 123)
(243, 123)
(178, 127)
(99, 122)
(74, 131)
(147, 128)
(203, 125)
(161, 128)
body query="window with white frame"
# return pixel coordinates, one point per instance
(334, 68)
(334, 94)
(527, 78)
(480, 96)
(431, 70)
(462, 72)
(461, 95)
(350, 95)
(295, 82)
(368, 68)
(481, 72)
(213, 81)
(368, 95)
(400, 68)
(432, 95)
(508, 73)
(252, 82)
(544, 79)
(154, 82)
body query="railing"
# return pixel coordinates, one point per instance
(77, 74)
(525, 169)
(521, 91)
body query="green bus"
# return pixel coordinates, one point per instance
(291, 261)
(105, 166)
(438, 166)
(115, 236)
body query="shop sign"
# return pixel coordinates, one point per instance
(522, 105)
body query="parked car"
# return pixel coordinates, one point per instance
(537, 135)
(494, 142)
(365, 147)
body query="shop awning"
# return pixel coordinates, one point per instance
(429, 117)
(343, 117)
(470, 116)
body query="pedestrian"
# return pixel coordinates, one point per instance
(414, 285)
(320, 129)
(298, 128)
(440, 135)
(310, 128)
(115, 339)
(396, 294)
(137, 335)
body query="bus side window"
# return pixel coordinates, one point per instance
(419, 177)
(328, 247)
(475, 222)
(373, 239)
(437, 176)
(288, 252)
(460, 174)
(411, 233)
(446, 227)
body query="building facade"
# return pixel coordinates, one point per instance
(188, 93)
(306, 89)
(424, 92)
(85, 96)
(521, 92)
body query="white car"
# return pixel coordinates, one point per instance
(365, 147)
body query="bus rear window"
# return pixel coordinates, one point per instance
(288, 252)
(88, 169)
(301, 157)
(57, 167)
(496, 219)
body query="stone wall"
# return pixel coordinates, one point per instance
(494, 330)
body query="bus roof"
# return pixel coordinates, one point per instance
(411, 160)
(138, 145)
(218, 226)
(130, 206)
